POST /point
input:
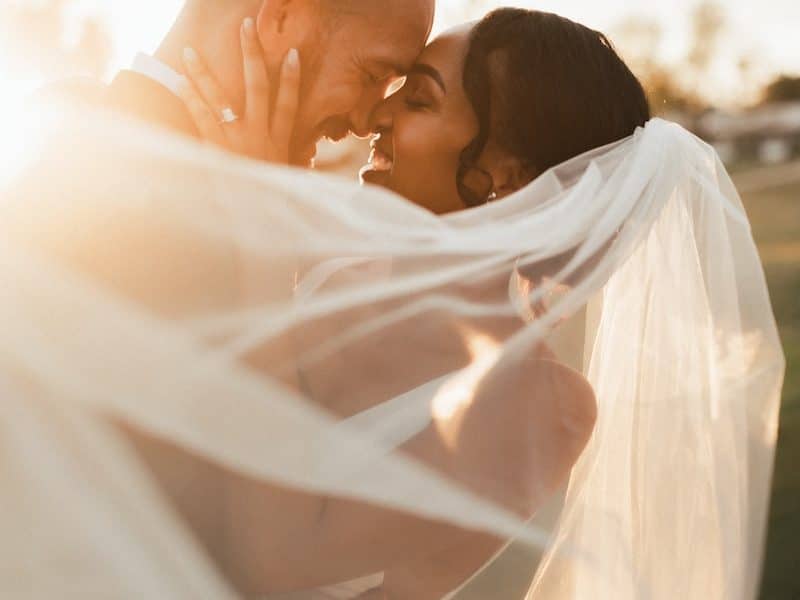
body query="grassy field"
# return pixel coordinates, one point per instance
(775, 215)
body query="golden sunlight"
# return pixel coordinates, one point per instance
(16, 143)
(459, 391)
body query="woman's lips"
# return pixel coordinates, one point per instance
(380, 161)
(380, 156)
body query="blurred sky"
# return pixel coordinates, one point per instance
(767, 32)
(769, 29)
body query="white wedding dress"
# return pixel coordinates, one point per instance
(150, 280)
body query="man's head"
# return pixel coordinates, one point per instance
(350, 50)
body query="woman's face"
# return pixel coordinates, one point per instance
(424, 127)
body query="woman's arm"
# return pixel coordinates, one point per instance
(514, 444)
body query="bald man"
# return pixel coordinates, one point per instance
(350, 50)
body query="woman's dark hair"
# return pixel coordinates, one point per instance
(545, 89)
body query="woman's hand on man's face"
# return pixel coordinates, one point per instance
(263, 132)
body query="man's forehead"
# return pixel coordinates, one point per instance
(391, 57)
(400, 38)
(400, 18)
(421, 10)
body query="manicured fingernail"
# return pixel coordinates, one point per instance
(249, 26)
(189, 55)
(293, 59)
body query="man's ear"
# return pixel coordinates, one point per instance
(285, 24)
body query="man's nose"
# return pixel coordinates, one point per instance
(381, 119)
(361, 119)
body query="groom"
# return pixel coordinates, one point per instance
(351, 51)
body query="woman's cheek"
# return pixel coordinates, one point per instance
(426, 162)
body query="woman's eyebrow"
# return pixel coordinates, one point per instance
(429, 71)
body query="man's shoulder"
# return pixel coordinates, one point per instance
(83, 90)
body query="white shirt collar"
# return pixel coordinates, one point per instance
(154, 69)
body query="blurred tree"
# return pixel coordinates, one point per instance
(454, 12)
(639, 41)
(49, 39)
(708, 25)
(783, 89)
(691, 84)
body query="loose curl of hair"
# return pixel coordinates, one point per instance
(545, 89)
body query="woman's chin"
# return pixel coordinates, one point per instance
(375, 177)
(304, 157)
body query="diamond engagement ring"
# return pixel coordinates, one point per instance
(228, 116)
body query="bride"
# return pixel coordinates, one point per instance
(550, 302)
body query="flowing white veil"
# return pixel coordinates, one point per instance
(212, 368)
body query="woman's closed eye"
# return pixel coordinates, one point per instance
(416, 96)
(416, 104)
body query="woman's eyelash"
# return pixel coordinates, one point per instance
(416, 104)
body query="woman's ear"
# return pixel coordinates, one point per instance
(509, 173)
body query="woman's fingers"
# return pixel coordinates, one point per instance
(204, 81)
(288, 99)
(262, 131)
(255, 78)
(205, 120)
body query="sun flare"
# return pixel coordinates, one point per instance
(459, 391)
(17, 141)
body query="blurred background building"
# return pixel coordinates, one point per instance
(729, 70)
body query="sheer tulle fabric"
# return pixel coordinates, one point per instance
(352, 351)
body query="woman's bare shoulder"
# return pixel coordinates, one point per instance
(529, 422)
(579, 396)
